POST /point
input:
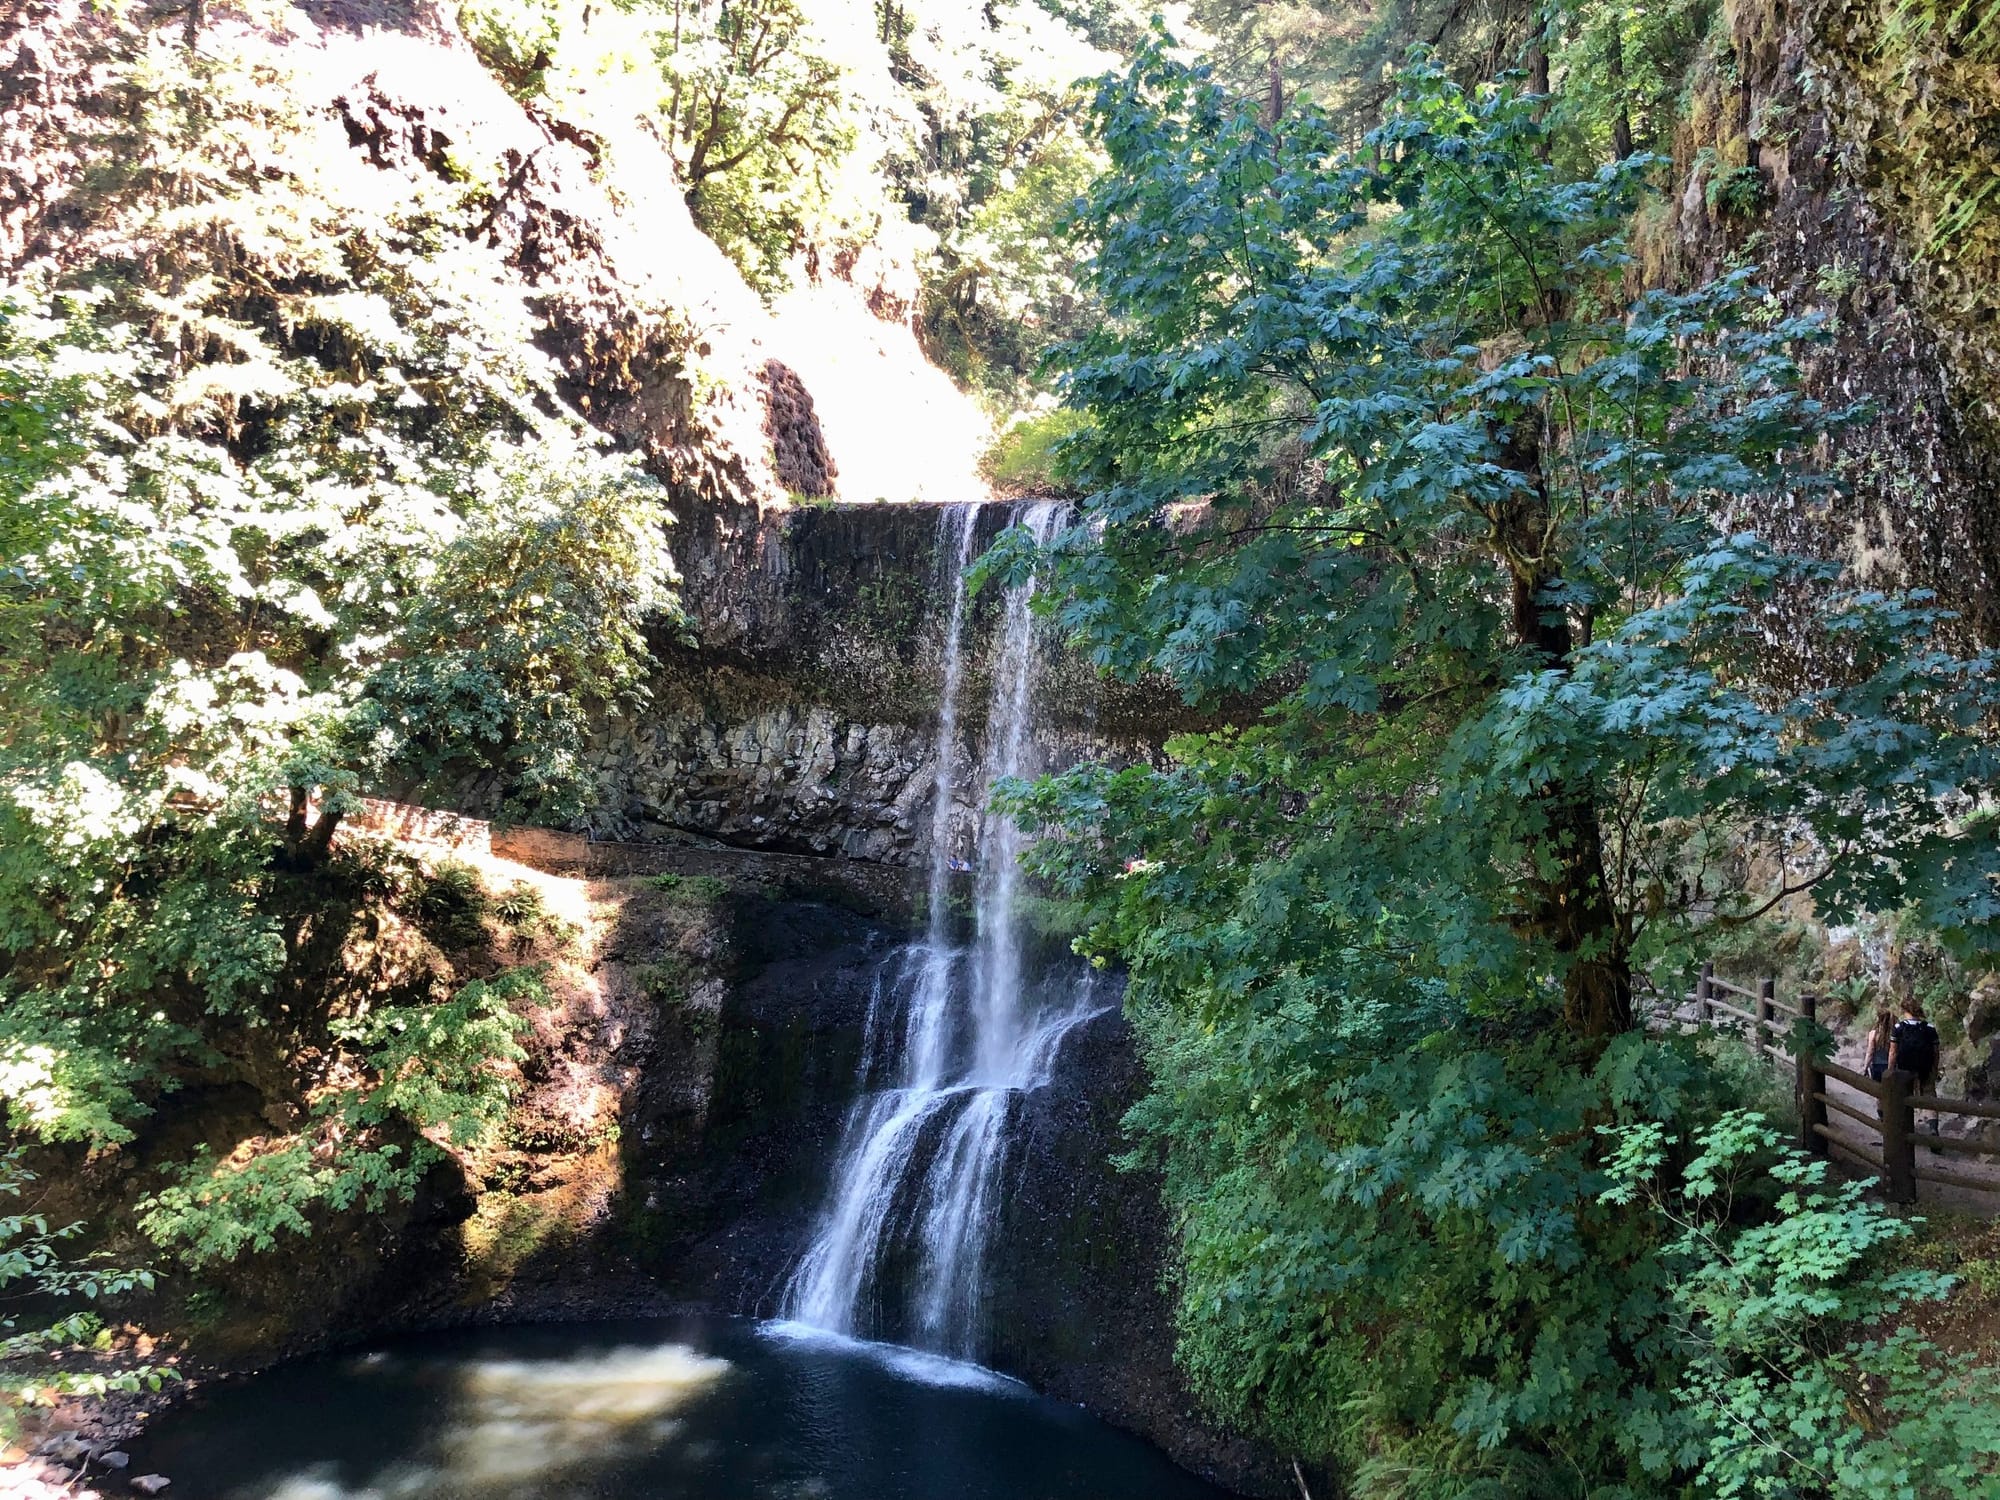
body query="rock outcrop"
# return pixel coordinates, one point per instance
(799, 711)
(1835, 152)
(805, 467)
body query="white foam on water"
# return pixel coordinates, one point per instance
(403, 1482)
(526, 1417)
(515, 1422)
(918, 1366)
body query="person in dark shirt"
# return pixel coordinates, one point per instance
(1913, 1048)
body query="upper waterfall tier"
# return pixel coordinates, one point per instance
(800, 712)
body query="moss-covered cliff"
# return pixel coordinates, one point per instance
(1850, 149)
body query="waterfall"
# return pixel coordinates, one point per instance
(955, 1031)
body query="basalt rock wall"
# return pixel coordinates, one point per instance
(797, 707)
(1845, 157)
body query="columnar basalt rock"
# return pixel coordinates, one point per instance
(791, 422)
(798, 709)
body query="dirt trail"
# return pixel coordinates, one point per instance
(1866, 1139)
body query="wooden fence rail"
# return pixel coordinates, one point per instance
(1762, 1026)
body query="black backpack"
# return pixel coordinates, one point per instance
(1916, 1047)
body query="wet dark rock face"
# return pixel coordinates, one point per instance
(1077, 1298)
(722, 1179)
(729, 1131)
(798, 711)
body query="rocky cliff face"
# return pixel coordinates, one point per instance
(800, 710)
(660, 341)
(686, 1106)
(1082, 1303)
(1851, 155)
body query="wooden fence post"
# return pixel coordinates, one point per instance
(1704, 988)
(1767, 1017)
(1812, 1083)
(1899, 1144)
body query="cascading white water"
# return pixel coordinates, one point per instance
(954, 1035)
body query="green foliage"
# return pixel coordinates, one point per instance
(452, 904)
(1735, 190)
(515, 39)
(1340, 57)
(34, 1266)
(926, 153)
(441, 1075)
(753, 111)
(1004, 287)
(1399, 1265)
(696, 890)
(444, 1069)
(753, 101)
(1377, 442)
(664, 983)
(216, 1211)
(1026, 459)
(991, 156)
(291, 507)
(1796, 1374)
(1620, 72)
(521, 908)
(1052, 920)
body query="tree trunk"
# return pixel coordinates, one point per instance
(1621, 118)
(319, 843)
(1571, 907)
(307, 844)
(1538, 76)
(1578, 914)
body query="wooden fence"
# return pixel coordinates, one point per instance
(1762, 1021)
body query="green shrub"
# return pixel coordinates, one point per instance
(516, 39)
(433, 1072)
(1736, 191)
(523, 911)
(1382, 937)
(1027, 457)
(33, 1268)
(695, 890)
(452, 905)
(663, 983)
(1797, 1376)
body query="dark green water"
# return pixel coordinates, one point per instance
(647, 1410)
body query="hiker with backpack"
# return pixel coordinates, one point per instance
(1913, 1049)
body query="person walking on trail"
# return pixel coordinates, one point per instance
(1913, 1049)
(1877, 1052)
